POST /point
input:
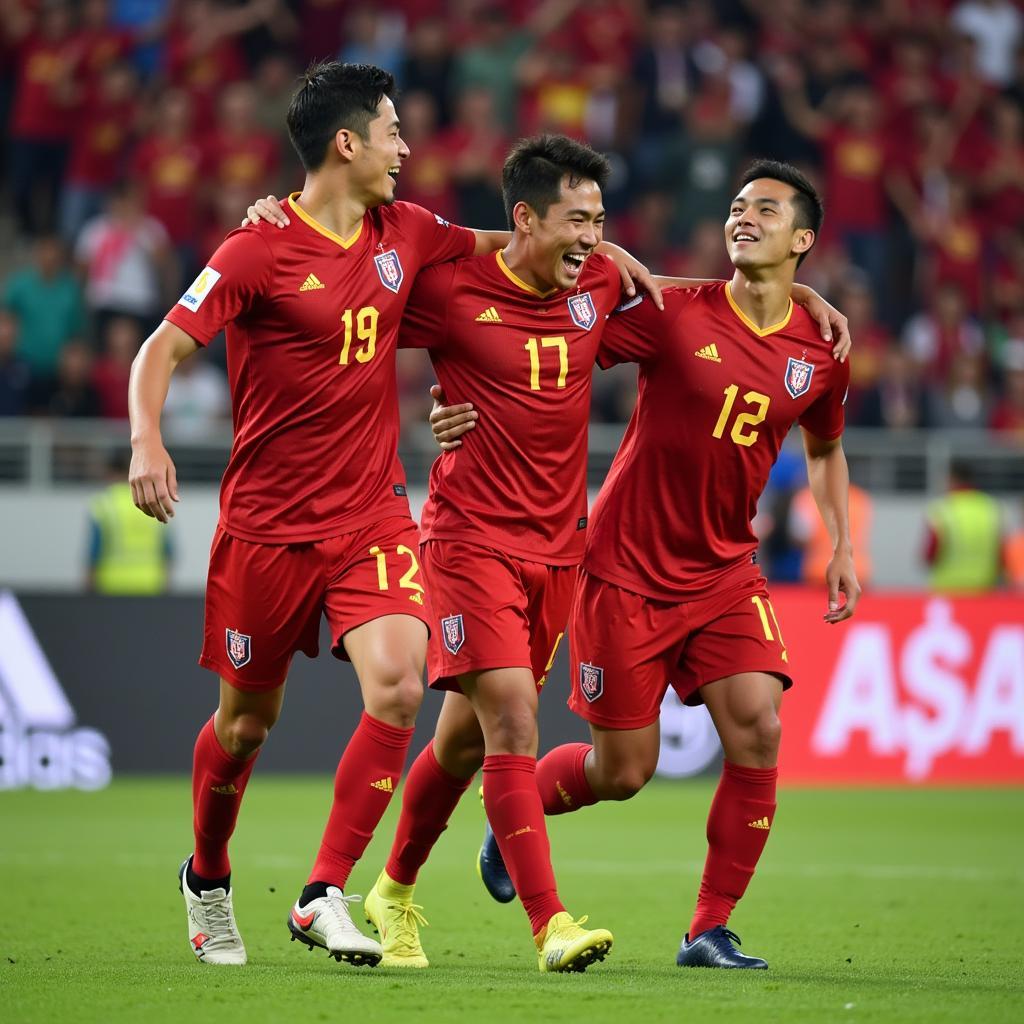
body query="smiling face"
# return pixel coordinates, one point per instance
(377, 160)
(560, 241)
(760, 231)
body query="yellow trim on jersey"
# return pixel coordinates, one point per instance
(519, 282)
(761, 332)
(345, 243)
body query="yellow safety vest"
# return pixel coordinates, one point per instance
(133, 547)
(967, 525)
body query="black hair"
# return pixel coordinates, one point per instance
(808, 209)
(962, 471)
(534, 171)
(334, 96)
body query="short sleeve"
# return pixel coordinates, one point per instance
(635, 330)
(426, 314)
(438, 240)
(824, 417)
(238, 273)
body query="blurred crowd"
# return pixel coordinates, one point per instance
(137, 131)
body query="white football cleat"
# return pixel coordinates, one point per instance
(327, 923)
(212, 932)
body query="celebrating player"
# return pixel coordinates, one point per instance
(670, 592)
(314, 515)
(517, 333)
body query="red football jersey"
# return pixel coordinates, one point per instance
(525, 360)
(717, 397)
(312, 321)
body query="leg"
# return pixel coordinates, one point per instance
(616, 765)
(433, 787)
(744, 708)
(505, 701)
(387, 654)
(224, 756)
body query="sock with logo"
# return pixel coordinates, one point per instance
(562, 781)
(429, 798)
(516, 814)
(218, 783)
(367, 776)
(741, 815)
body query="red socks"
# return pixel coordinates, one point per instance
(218, 782)
(561, 780)
(367, 776)
(741, 815)
(516, 814)
(430, 797)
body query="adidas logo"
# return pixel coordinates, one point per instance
(760, 823)
(228, 790)
(489, 316)
(566, 799)
(709, 352)
(384, 784)
(312, 284)
(417, 598)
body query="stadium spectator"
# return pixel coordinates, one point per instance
(934, 337)
(198, 400)
(126, 262)
(963, 547)
(897, 401)
(961, 402)
(42, 117)
(857, 301)
(429, 66)
(240, 154)
(169, 164)
(121, 340)
(71, 393)
(1008, 416)
(47, 301)
(15, 373)
(100, 146)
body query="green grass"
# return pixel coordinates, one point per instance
(870, 905)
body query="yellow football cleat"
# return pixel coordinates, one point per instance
(389, 908)
(565, 945)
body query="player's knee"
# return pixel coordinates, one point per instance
(763, 737)
(513, 728)
(244, 734)
(395, 696)
(461, 756)
(625, 781)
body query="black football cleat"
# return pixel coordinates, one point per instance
(490, 866)
(714, 948)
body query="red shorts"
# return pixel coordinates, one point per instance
(626, 650)
(264, 601)
(492, 610)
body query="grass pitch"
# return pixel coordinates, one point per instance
(870, 905)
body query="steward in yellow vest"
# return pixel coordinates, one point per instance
(965, 537)
(128, 553)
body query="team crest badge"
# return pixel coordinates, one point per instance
(239, 647)
(798, 377)
(452, 633)
(390, 269)
(591, 681)
(582, 311)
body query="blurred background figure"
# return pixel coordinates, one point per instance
(129, 554)
(963, 548)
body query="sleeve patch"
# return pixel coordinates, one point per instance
(196, 294)
(440, 220)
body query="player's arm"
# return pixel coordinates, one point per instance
(829, 479)
(152, 476)
(831, 323)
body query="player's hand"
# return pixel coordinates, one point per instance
(841, 578)
(268, 209)
(831, 323)
(450, 422)
(153, 480)
(633, 273)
